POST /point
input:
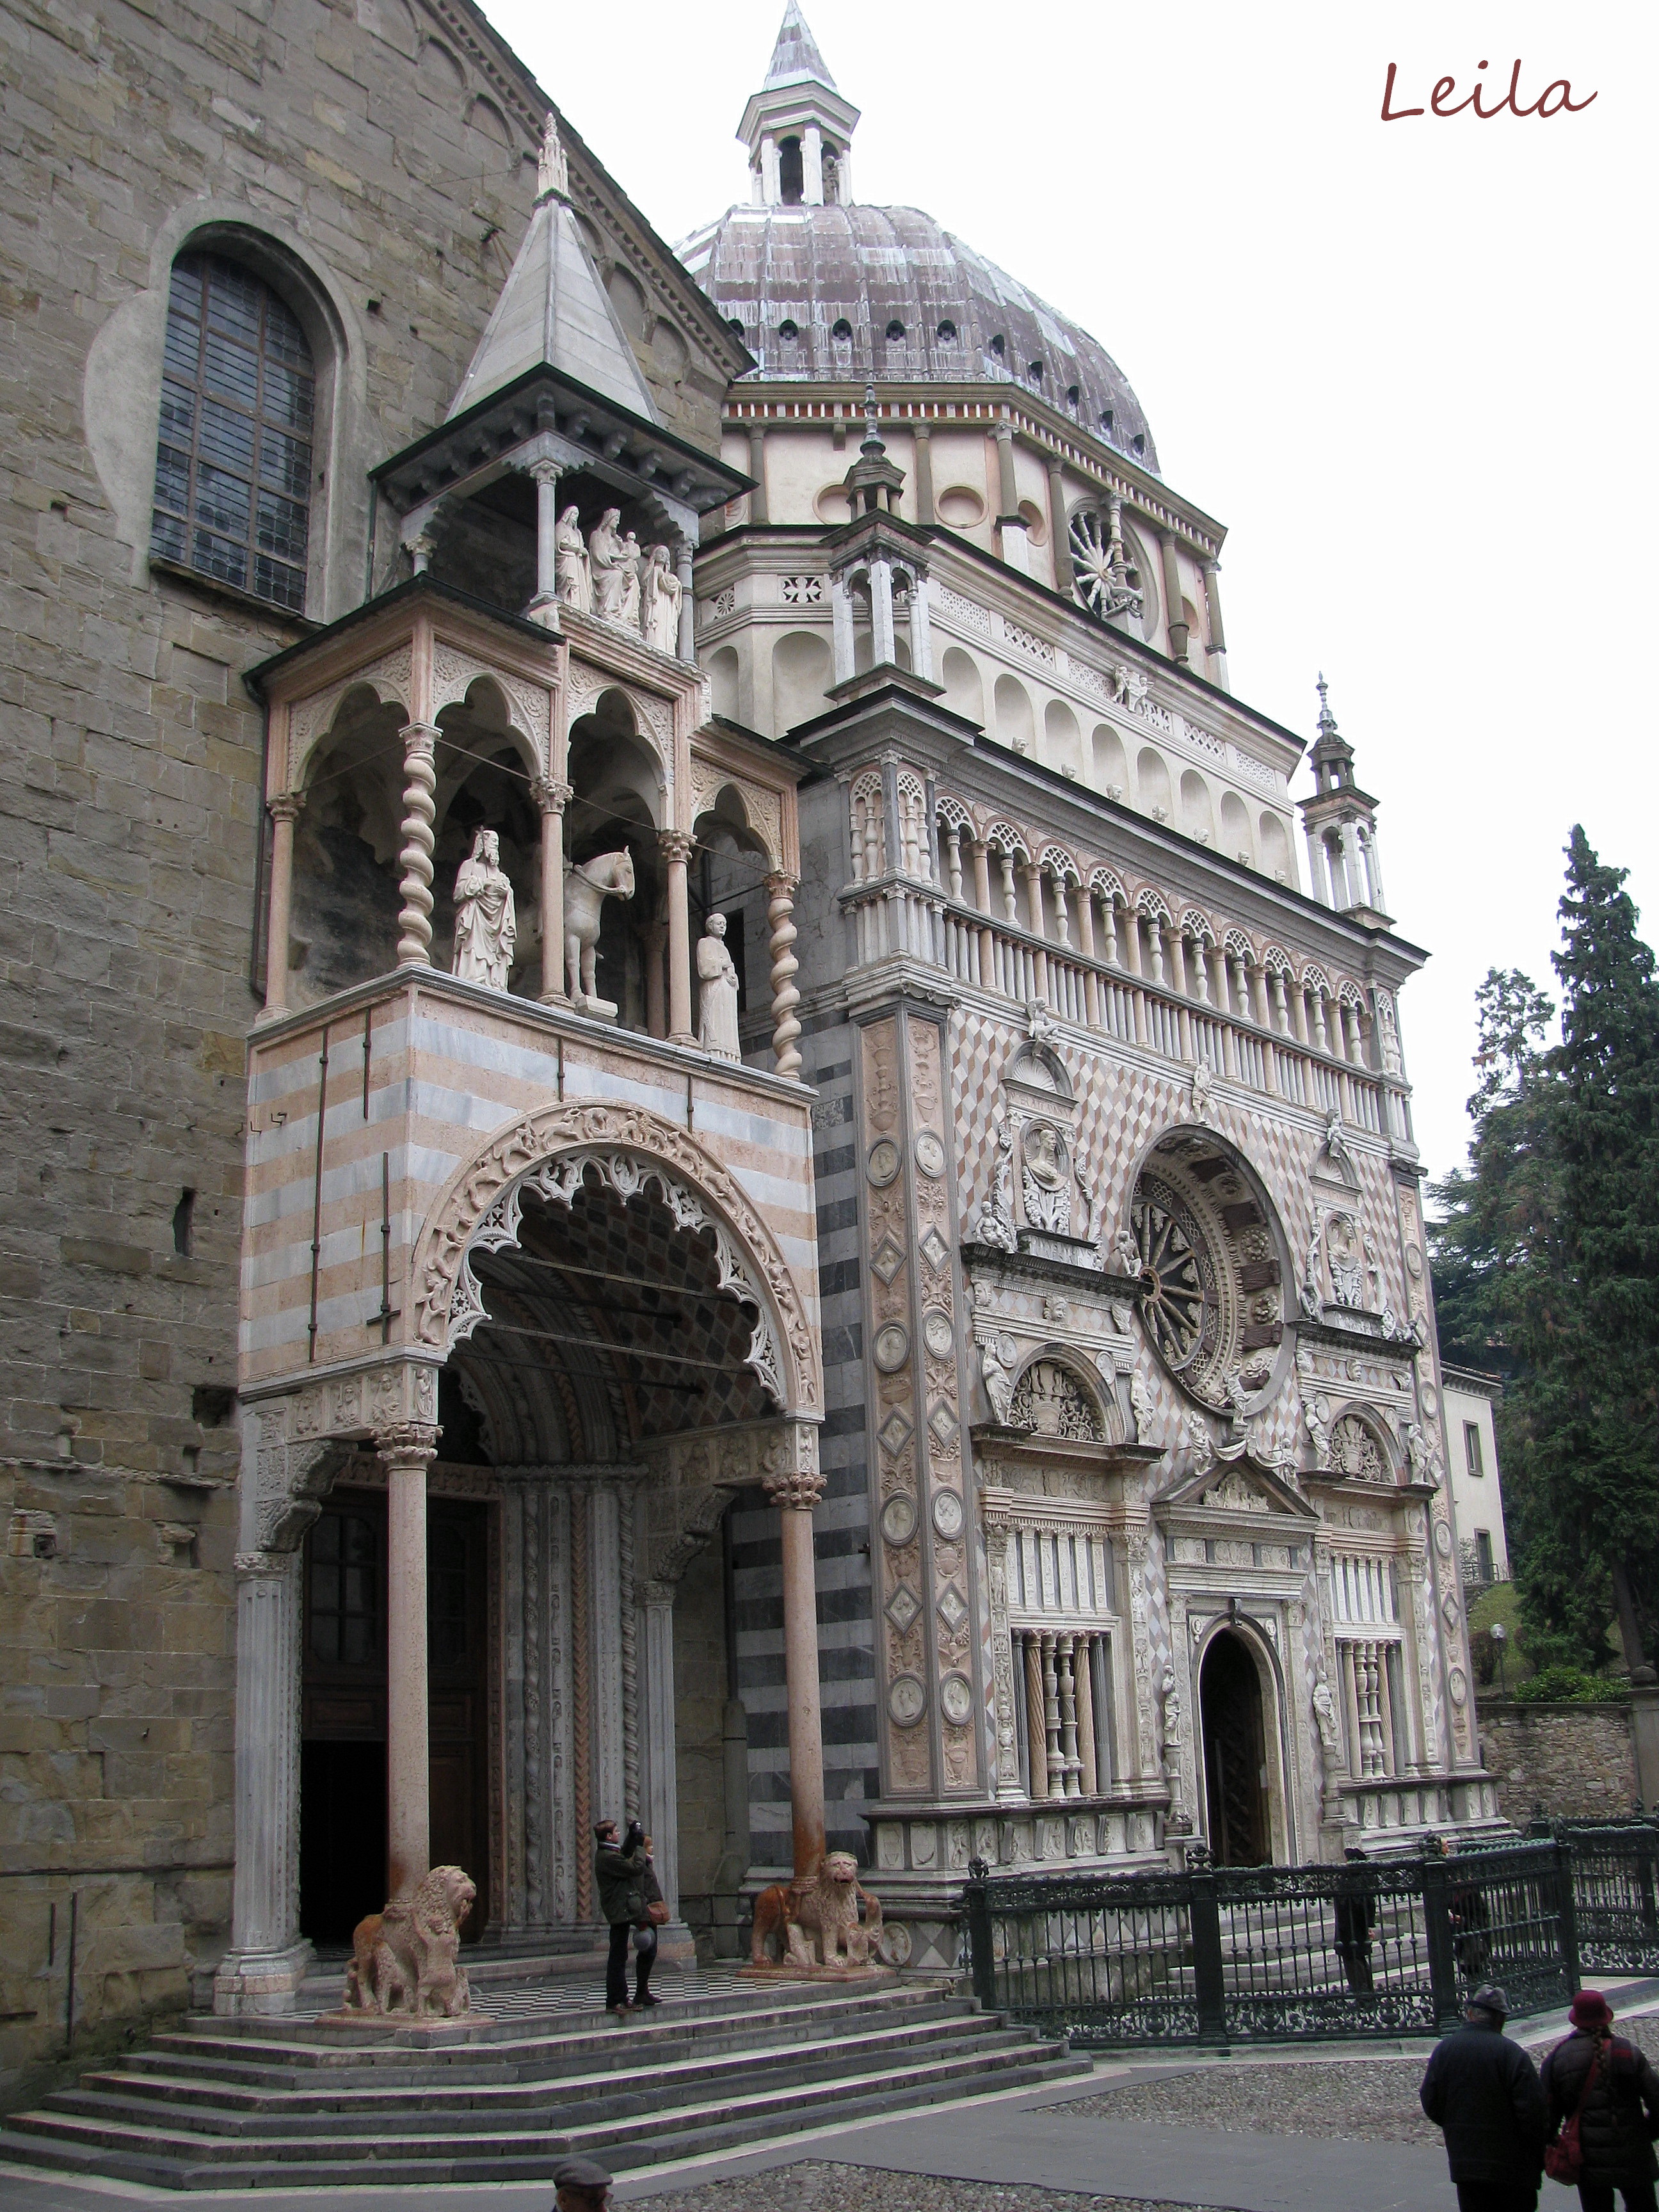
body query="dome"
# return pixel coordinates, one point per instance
(844, 293)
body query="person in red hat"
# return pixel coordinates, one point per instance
(1615, 2091)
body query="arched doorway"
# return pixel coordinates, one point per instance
(1235, 1753)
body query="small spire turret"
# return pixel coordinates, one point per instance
(798, 128)
(1339, 823)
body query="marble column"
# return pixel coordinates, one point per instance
(414, 860)
(1057, 543)
(793, 1484)
(406, 1452)
(1174, 617)
(924, 484)
(660, 1811)
(269, 1957)
(883, 650)
(812, 166)
(841, 629)
(1218, 634)
(688, 637)
(780, 888)
(676, 847)
(544, 607)
(922, 630)
(612, 1693)
(284, 813)
(1353, 865)
(758, 434)
(552, 798)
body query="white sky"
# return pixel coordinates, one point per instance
(1399, 361)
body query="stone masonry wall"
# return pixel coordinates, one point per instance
(1578, 1761)
(391, 146)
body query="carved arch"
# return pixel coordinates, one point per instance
(1238, 946)
(1198, 927)
(311, 720)
(629, 1147)
(954, 814)
(1151, 906)
(1057, 858)
(1002, 837)
(1314, 978)
(1275, 961)
(1106, 887)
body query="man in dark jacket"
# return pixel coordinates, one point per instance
(1618, 2111)
(619, 1871)
(1483, 2090)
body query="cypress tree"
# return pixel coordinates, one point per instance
(1583, 1305)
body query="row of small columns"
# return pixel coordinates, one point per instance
(551, 798)
(793, 1484)
(1368, 1702)
(1343, 868)
(1061, 1747)
(1170, 958)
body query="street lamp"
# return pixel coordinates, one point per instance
(1500, 1636)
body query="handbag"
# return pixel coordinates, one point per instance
(1564, 2159)
(657, 1913)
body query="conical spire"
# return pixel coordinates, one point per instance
(798, 128)
(553, 308)
(796, 58)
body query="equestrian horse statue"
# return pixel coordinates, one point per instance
(587, 887)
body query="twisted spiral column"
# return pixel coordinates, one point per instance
(781, 891)
(420, 811)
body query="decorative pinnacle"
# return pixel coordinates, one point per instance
(1327, 720)
(552, 171)
(872, 441)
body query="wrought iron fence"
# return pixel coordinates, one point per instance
(1373, 1947)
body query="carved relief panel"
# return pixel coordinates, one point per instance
(929, 1680)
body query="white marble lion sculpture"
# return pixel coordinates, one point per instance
(407, 1958)
(824, 1904)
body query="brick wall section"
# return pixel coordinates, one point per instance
(1578, 1761)
(129, 760)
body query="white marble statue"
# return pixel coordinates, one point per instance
(587, 887)
(660, 593)
(486, 928)
(572, 583)
(607, 559)
(717, 1000)
(629, 560)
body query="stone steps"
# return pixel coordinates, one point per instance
(299, 2108)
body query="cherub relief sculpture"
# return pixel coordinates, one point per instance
(993, 1224)
(486, 928)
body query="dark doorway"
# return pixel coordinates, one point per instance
(343, 1839)
(1235, 1753)
(343, 1723)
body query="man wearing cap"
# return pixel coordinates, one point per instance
(1618, 2107)
(1483, 2092)
(582, 2186)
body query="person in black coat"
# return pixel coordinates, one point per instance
(1484, 2090)
(1618, 2115)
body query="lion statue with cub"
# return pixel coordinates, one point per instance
(825, 1905)
(407, 1958)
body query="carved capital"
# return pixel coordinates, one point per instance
(286, 806)
(262, 1566)
(545, 473)
(675, 845)
(789, 1468)
(420, 741)
(290, 1478)
(781, 883)
(406, 1444)
(549, 795)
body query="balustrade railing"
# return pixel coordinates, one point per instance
(1241, 1954)
(993, 954)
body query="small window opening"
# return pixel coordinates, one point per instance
(1138, 441)
(1034, 370)
(1472, 1447)
(788, 331)
(999, 345)
(792, 172)
(1483, 1555)
(736, 327)
(842, 332)
(895, 333)
(184, 1224)
(1073, 398)
(1106, 420)
(947, 333)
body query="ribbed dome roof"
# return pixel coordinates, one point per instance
(817, 291)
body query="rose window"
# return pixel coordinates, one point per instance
(1212, 1303)
(1105, 588)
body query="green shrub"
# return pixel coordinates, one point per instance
(1570, 1685)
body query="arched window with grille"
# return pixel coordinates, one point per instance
(234, 458)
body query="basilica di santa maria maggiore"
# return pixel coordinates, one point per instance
(692, 1132)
